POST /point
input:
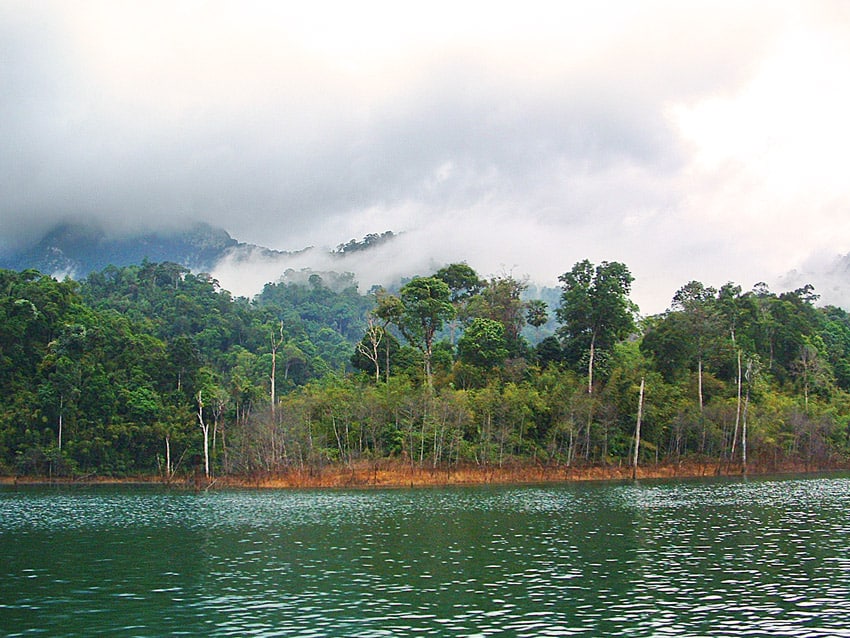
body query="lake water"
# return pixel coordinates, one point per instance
(765, 557)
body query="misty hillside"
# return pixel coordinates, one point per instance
(76, 249)
(830, 278)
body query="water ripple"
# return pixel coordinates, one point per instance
(694, 558)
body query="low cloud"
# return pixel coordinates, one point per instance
(524, 139)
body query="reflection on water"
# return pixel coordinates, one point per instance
(696, 558)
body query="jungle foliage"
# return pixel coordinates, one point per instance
(153, 369)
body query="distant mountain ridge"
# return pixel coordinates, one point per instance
(76, 249)
(829, 278)
(73, 249)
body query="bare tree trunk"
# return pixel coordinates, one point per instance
(61, 412)
(339, 444)
(737, 412)
(438, 436)
(214, 430)
(275, 346)
(374, 334)
(589, 396)
(746, 409)
(272, 388)
(427, 352)
(744, 435)
(387, 364)
(206, 430)
(422, 440)
(637, 430)
(699, 383)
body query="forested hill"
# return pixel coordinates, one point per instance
(76, 249)
(151, 369)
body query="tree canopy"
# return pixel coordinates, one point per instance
(155, 369)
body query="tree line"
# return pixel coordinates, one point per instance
(152, 369)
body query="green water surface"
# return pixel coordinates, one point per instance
(768, 557)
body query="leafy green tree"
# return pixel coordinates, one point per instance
(684, 337)
(835, 332)
(536, 313)
(425, 307)
(812, 369)
(501, 300)
(696, 301)
(184, 362)
(595, 310)
(462, 280)
(549, 351)
(483, 344)
(666, 341)
(464, 285)
(595, 314)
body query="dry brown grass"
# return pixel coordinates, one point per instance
(395, 474)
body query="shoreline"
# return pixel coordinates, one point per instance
(394, 474)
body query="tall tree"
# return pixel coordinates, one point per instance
(501, 301)
(595, 314)
(462, 280)
(536, 313)
(370, 346)
(595, 310)
(696, 301)
(637, 429)
(464, 285)
(276, 341)
(425, 307)
(390, 310)
(483, 344)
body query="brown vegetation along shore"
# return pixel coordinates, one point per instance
(388, 474)
(400, 475)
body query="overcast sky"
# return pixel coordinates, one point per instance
(690, 140)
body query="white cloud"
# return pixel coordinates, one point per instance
(768, 161)
(690, 140)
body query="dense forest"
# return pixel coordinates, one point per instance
(153, 370)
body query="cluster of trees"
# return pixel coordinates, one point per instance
(151, 368)
(369, 241)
